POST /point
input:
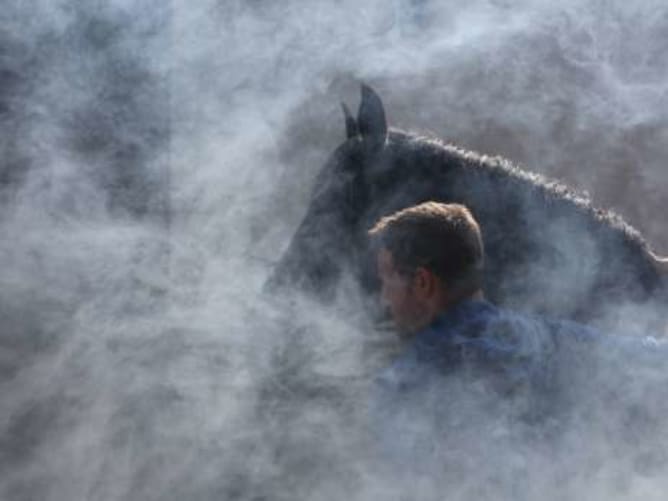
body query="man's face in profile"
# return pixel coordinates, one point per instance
(398, 293)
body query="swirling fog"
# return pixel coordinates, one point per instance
(156, 158)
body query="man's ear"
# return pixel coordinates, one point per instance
(424, 282)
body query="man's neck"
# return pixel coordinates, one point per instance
(450, 301)
(447, 302)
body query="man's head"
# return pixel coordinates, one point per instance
(429, 257)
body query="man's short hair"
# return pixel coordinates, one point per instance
(443, 238)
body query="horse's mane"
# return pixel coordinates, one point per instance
(544, 189)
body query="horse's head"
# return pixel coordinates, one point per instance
(374, 172)
(328, 238)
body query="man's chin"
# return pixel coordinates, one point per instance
(405, 332)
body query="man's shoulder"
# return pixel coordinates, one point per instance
(473, 333)
(498, 331)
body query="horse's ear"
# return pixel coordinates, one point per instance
(351, 124)
(371, 117)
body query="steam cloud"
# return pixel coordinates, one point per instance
(157, 157)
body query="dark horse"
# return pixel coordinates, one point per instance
(547, 249)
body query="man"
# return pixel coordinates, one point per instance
(470, 376)
(430, 262)
(474, 382)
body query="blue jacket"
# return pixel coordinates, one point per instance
(477, 362)
(476, 336)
